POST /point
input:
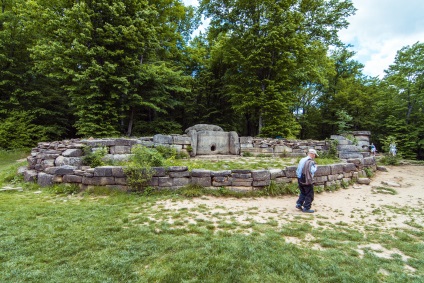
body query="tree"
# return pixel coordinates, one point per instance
(401, 106)
(266, 44)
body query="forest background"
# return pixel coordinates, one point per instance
(268, 68)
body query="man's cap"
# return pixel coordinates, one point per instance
(311, 150)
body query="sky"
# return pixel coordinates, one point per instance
(378, 30)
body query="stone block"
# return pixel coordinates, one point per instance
(261, 183)
(336, 169)
(165, 182)
(201, 181)
(73, 152)
(349, 167)
(234, 143)
(61, 170)
(179, 174)
(30, 176)
(125, 142)
(242, 182)
(222, 173)
(72, 161)
(159, 171)
(323, 170)
(162, 139)
(180, 182)
(72, 179)
(118, 172)
(120, 149)
(261, 175)
(282, 180)
(242, 175)
(177, 168)
(321, 179)
(220, 181)
(120, 181)
(276, 173)
(201, 173)
(182, 140)
(290, 171)
(44, 180)
(282, 149)
(103, 171)
(99, 143)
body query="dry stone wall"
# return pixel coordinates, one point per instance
(61, 162)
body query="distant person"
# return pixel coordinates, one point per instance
(373, 149)
(393, 149)
(305, 179)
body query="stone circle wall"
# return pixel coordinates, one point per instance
(61, 162)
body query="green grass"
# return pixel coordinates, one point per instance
(254, 163)
(127, 238)
(109, 236)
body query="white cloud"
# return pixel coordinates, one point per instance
(380, 28)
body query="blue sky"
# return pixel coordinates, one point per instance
(379, 29)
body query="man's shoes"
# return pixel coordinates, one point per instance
(308, 210)
(298, 206)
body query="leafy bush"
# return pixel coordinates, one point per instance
(93, 158)
(139, 170)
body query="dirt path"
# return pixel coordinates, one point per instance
(358, 206)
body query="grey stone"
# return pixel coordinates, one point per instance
(336, 169)
(125, 142)
(222, 173)
(73, 153)
(72, 179)
(210, 142)
(120, 149)
(44, 180)
(261, 175)
(291, 171)
(276, 173)
(177, 168)
(182, 140)
(61, 170)
(165, 182)
(179, 182)
(30, 176)
(204, 127)
(159, 171)
(261, 183)
(103, 171)
(201, 181)
(363, 181)
(179, 174)
(349, 167)
(234, 144)
(242, 175)
(163, 139)
(200, 173)
(71, 161)
(118, 172)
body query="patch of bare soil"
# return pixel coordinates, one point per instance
(359, 206)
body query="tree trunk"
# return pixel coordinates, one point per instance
(130, 122)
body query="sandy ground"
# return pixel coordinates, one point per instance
(358, 206)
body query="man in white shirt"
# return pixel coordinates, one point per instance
(305, 173)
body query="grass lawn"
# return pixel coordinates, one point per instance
(103, 236)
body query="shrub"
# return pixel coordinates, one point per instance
(139, 170)
(93, 158)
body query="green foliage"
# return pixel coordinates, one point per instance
(247, 154)
(139, 171)
(64, 189)
(368, 172)
(18, 131)
(332, 152)
(94, 157)
(343, 121)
